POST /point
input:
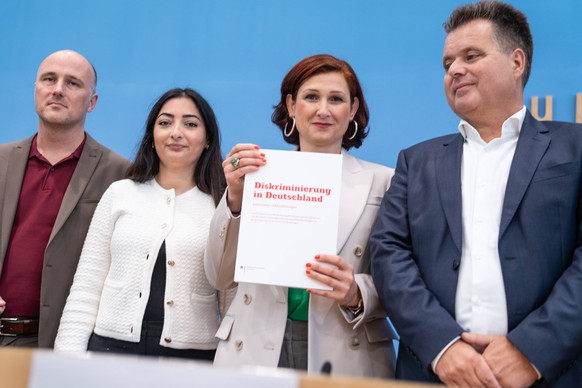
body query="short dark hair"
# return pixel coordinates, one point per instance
(208, 174)
(307, 68)
(511, 27)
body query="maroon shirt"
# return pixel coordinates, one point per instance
(41, 194)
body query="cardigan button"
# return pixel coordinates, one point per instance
(163, 226)
(168, 200)
(247, 299)
(171, 263)
(170, 303)
(168, 339)
(358, 250)
(355, 343)
(238, 344)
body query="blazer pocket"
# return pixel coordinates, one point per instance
(556, 171)
(379, 330)
(225, 327)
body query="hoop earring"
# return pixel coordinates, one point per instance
(355, 131)
(292, 128)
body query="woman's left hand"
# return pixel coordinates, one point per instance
(339, 276)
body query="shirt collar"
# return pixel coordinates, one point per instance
(510, 128)
(34, 152)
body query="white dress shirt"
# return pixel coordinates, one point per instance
(480, 304)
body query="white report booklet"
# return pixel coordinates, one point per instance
(290, 212)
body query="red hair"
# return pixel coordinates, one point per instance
(307, 68)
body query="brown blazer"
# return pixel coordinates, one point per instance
(97, 168)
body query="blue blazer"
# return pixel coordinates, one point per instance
(416, 250)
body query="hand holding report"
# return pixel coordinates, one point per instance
(290, 213)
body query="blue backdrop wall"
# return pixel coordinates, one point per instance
(236, 53)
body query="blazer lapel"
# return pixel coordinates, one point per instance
(356, 185)
(14, 176)
(79, 181)
(531, 147)
(448, 177)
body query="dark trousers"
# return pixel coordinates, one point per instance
(21, 341)
(294, 349)
(149, 345)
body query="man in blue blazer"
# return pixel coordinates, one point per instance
(476, 251)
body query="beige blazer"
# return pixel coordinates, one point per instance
(252, 331)
(97, 168)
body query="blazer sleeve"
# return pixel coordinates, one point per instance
(372, 309)
(80, 313)
(550, 336)
(424, 325)
(220, 255)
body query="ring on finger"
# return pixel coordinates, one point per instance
(235, 162)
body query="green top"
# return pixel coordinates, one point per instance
(298, 304)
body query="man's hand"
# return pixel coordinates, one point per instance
(510, 366)
(2, 305)
(462, 366)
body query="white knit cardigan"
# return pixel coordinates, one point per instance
(112, 283)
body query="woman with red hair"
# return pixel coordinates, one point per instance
(322, 109)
